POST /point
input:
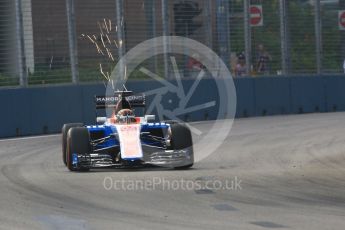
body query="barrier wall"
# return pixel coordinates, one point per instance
(42, 110)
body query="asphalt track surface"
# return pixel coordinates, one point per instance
(289, 172)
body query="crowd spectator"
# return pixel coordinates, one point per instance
(241, 67)
(194, 66)
(263, 60)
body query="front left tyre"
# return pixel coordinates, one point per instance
(181, 138)
(78, 142)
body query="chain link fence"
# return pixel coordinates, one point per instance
(71, 41)
(8, 75)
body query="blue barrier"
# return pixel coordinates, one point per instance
(272, 96)
(245, 97)
(335, 93)
(88, 93)
(308, 94)
(53, 106)
(15, 121)
(40, 110)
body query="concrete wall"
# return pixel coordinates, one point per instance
(31, 111)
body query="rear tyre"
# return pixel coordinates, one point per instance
(64, 132)
(181, 138)
(78, 142)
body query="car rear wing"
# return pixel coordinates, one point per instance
(137, 100)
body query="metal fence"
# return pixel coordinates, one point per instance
(71, 41)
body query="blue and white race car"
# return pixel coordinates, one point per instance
(124, 140)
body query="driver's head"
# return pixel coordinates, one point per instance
(125, 112)
(122, 104)
(123, 108)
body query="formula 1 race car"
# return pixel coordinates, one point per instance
(124, 140)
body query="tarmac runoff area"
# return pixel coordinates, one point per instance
(281, 172)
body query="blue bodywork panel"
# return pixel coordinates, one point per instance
(108, 130)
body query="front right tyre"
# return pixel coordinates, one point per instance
(64, 131)
(78, 142)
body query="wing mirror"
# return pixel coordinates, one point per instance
(101, 120)
(150, 118)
